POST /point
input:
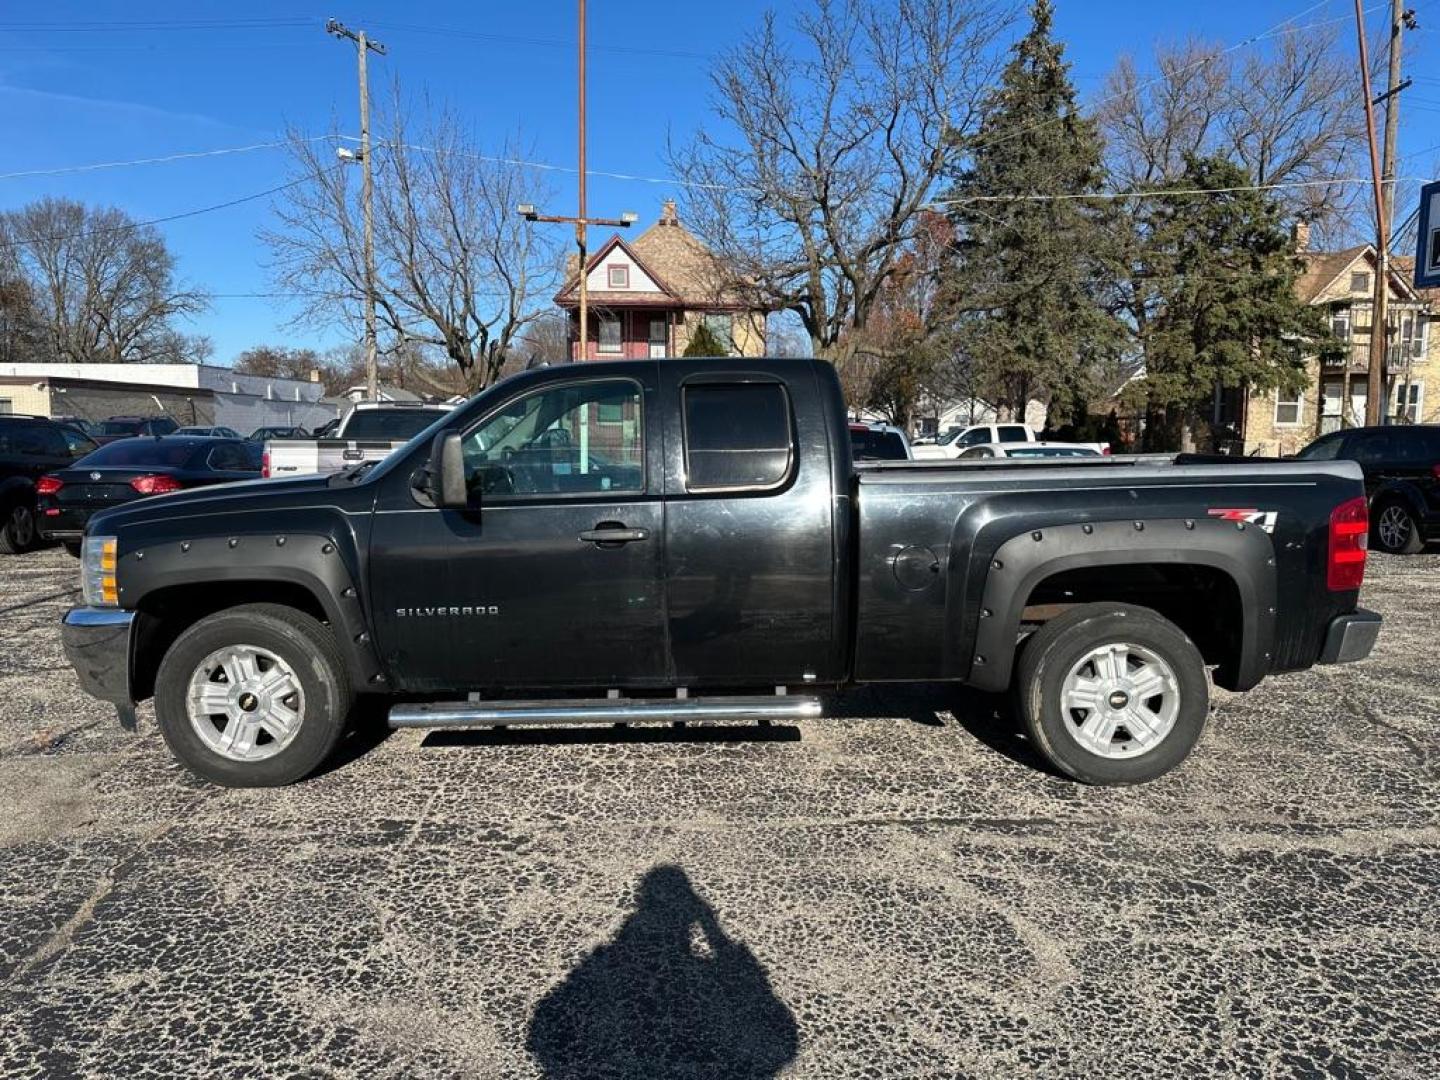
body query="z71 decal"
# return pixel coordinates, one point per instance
(1250, 516)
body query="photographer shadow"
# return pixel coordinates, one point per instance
(670, 996)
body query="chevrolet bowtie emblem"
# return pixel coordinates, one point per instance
(94, 476)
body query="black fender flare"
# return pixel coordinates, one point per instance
(310, 561)
(1241, 551)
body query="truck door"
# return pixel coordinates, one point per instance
(749, 535)
(552, 577)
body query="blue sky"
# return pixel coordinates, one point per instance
(71, 96)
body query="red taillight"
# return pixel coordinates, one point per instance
(1105, 449)
(265, 464)
(1349, 535)
(1435, 470)
(48, 485)
(155, 485)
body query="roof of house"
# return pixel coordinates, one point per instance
(1323, 267)
(687, 272)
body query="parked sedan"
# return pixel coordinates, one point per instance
(1021, 451)
(1401, 463)
(133, 469)
(213, 432)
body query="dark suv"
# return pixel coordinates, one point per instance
(1402, 478)
(30, 446)
(125, 427)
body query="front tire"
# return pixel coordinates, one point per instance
(253, 696)
(1396, 530)
(1112, 693)
(17, 534)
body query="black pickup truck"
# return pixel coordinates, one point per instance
(689, 540)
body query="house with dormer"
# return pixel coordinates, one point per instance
(1335, 391)
(647, 296)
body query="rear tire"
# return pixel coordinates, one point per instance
(274, 673)
(17, 534)
(1396, 531)
(1147, 682)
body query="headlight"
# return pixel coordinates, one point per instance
(97, 571)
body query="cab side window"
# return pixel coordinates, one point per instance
(1013, 433)
(1327, 449)
(575, 439)
(975, 437)
(737, 437)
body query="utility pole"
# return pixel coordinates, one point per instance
(363, 47)
(580, 236)
(580, 220)
(1384, 183)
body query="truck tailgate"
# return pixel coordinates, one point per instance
(295, 457)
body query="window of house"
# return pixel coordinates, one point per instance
(1288, 407)
(609, 334)
(1409, 401)
(737, 437)
(7, 405)
(1412, 335)
(1340, 322)
(574, 439)
(1360, 281)
(619, 276)
(722, 325)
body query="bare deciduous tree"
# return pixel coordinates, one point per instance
(826, 150)
(1285, 114)
(458, 271)
(97, 285)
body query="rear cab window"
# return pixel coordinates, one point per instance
(390, 424)
(738, 436)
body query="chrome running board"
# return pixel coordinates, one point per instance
(467, 714)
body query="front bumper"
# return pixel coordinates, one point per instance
(1350, 637)
(97, 643)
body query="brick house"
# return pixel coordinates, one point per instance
(1341, 282)
(647, 296)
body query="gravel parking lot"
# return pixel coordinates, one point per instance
(903, 891)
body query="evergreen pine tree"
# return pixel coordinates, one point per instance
(703, 342)
(1029, 279)
(1219, 276)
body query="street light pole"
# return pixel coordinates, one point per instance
(581, 220)
(363, 47)
(580, 236)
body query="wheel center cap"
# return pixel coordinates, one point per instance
(248, 701)
(1119, 699)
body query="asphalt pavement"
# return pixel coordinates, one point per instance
(901, 891)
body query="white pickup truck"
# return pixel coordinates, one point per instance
(955, 442)
(369, 431)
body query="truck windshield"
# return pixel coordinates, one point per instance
(390, 424)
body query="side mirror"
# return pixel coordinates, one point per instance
(447, 472)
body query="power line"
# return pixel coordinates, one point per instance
(152, 25)
(182, 156)
(1155, 193)
(129, 225)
